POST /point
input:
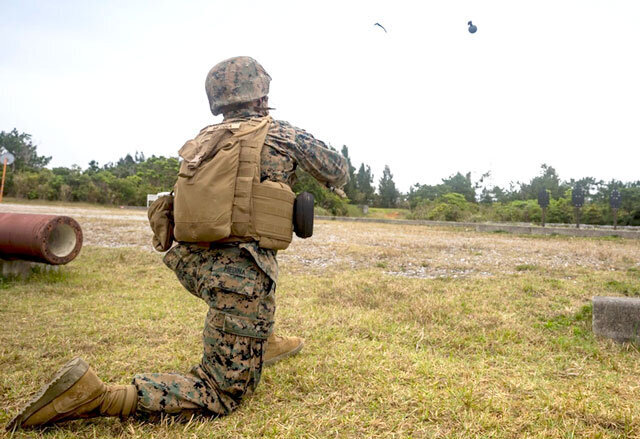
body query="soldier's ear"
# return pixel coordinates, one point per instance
(263, 103)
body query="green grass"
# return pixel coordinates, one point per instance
(507, 356)
(624, 287)
(380, 212)
(374, 212)
(353, 210)
(39, 202)
(526, 267)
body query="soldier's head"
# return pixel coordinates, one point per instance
(236, 83)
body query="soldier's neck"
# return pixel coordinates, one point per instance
(246, 113)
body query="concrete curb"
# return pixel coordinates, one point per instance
(23, 269)
(617, 318)
(496, 227)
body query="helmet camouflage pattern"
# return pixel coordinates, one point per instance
(234, 81)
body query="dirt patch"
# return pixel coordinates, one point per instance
(399, 250)
(427, 252)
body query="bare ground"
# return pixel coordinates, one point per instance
(402, 250)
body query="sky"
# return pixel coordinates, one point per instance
(555, 82)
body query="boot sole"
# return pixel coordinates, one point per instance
(274, 360)
(66, 377)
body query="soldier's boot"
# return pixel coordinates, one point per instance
(75, 392)
(279, 348)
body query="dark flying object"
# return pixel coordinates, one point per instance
(472, 28)
(378, 24)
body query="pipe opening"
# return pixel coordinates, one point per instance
(62, 240)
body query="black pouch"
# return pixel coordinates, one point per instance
(303, 215)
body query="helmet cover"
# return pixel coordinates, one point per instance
(234, 81)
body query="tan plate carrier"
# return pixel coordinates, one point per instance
(219, 196)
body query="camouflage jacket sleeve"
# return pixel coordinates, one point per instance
(324, 164)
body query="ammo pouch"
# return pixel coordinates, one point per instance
(219, 196)
(160, 215)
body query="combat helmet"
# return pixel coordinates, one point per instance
(234, 81)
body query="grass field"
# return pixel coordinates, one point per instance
(377, 212)
(410, 331)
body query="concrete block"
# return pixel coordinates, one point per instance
(23, 269)
(617, 318)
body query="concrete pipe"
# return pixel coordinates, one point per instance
(50, 239)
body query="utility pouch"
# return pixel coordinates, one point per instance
(272, 213)
(161, 221)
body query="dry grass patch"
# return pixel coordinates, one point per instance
(386, 356)
(411, 332)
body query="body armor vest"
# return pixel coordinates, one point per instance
(219, 196)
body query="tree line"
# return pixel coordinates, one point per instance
(457, 198)
(125, 182)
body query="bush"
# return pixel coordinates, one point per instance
(353, 210)
(518, 211)
(560, 211)
(449, 207)
(322, 196)
(32, 185)
(596, 214)
(453, 207)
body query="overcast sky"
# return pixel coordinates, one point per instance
(554, 82)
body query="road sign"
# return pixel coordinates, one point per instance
(616, 199)
(543, 198)
(577, 197)
(8, 157)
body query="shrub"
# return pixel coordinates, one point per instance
(449, 207)
(596, 214)
(322, 196)
(518, 211)
(560, 211)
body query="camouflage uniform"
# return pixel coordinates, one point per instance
(238, 282)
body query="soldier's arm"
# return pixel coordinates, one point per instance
(321, 161)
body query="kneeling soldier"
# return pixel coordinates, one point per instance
(233, 211)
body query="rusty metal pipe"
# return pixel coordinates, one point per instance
(50, 239)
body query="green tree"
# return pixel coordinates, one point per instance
(93, 167)
(460, 184)
(351, 188)
(424, 192)
(387, 189)
(495, 194)
(160, 173)
(548, 180)
(589, 185)
(25, 152)
(321, 195)
(125, 166)
(448, 207)
(364, 180)
(456, 183)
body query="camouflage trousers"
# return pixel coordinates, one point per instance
(241, 299)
